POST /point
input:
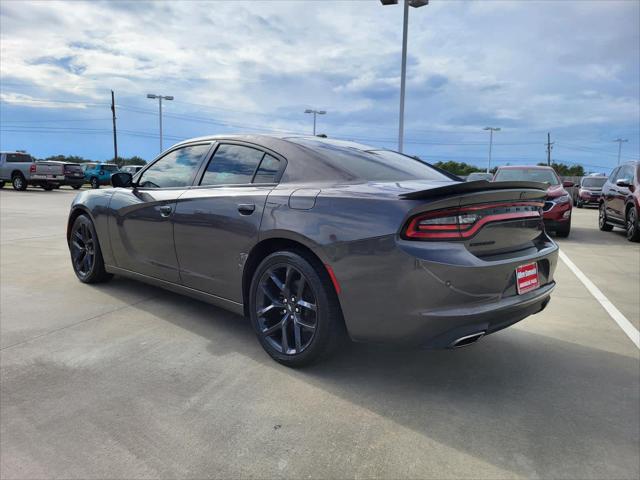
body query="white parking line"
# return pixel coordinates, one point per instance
(626, 326)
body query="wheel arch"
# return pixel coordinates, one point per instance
(75, 213)
(17, 172)
(273, 244)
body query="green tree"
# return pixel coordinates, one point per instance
(566, 170)
(458, 168)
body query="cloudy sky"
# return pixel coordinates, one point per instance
(571, 68)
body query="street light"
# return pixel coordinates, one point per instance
(315, 112)
(491, 130)
(403, 74)
(620, 142)
(160, 98)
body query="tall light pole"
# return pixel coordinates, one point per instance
(620, 142)
(403, 72)
(315, 112)
(160, 98)
(491, 130)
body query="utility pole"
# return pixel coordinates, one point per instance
(115, 137)
(620, 142)
(549, 148)
(491, 130)
(160, 98)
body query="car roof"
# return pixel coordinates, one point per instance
(528, 167)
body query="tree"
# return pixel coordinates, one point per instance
(135, 160)
(458, 168)
(566, 170)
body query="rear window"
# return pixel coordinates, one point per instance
(373, 165)
(109, 168)
(19, 158)
(541, 175)
(594, 182)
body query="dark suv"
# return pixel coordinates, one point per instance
(620, 201)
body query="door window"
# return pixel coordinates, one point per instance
(626, 173)
(232, 164)
(176, 169)
(269, 168)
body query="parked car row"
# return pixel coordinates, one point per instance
(21, 170)
(617, 196)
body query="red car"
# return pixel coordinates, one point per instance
(620, 201)
(557, 206)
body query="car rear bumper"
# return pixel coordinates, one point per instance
(74, 181)
(427, 295)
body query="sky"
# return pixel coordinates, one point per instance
(570, 68)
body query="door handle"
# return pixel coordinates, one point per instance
(165, 210)
(246, 208)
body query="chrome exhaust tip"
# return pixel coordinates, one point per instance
(467, 340)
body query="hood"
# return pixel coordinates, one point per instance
(555, 191)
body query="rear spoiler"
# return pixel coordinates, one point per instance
(470, 187)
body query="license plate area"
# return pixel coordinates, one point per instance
(527, 278)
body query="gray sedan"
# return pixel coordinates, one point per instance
(317, 240)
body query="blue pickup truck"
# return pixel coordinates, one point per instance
(99, 173)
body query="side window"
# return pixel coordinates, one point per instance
(614, 175)
(232, 164)
(175, 169)
(626, 172)
(269, 168)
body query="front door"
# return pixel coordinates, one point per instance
(141, 227)
(218, 222)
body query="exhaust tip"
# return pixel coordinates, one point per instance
(467, 340)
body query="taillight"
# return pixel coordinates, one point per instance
(464, 222)
(32, 168)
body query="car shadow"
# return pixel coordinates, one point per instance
(513, 388)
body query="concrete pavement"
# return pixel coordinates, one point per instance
(123, 380)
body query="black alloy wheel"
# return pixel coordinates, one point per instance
(602, 220)
(294, 309)
(86, 256)
(95, 183)
(633, 232)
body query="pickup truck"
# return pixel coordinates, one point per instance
(21, 169)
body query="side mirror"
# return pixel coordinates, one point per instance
(623, 182)
(122, 179)
(568, 184)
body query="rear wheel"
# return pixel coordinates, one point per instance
(18, 182)
(633, 230)
(48, 187)
(294, 309)
(95, 183)
(602, 220)
(86, 256)
(75, 187)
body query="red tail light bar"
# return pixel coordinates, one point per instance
(32, 168)
(464, 222)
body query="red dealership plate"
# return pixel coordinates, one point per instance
(527, 278)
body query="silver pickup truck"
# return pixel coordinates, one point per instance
(22, 170)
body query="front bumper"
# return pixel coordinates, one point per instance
(587, 198)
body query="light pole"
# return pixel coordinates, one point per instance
(491, 130)
(403, 73)
(620, 142)
(315, 112)
(160, 98)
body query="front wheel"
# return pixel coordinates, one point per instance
(48, 187)
(294, 309)
(95, 184)
(86, 256)
(579, 204)
(633, 230)
(563, 232)
(75, 187)
(602, 220)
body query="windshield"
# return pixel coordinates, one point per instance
(479, 176)
(541, 175)
(594, 182)
(372, 165)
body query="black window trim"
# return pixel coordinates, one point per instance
(189, 185)
(264, 150)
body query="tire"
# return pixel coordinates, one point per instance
(564, 231)
(76, 187)
(95, 184)
(19, 183)
(1, 183)
(47, 187)
(602, 219)
(632, 225)
(303, 305)
(86, 256)
(579, 204)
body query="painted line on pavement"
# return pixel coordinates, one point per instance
(626, 326)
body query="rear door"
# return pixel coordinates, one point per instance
(217, 222)
(141, 227)
(621, 194)
(609, 191)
